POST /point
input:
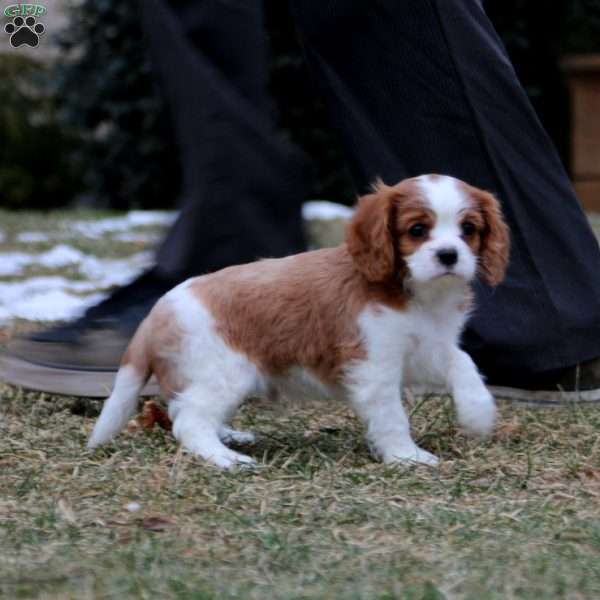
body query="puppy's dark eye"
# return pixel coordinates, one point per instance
(418, 231)
(468, 229)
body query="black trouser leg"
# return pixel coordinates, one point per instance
(243, 183)
(420, 86)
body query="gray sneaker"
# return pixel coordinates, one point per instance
(81, 358)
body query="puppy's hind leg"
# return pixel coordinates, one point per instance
(198, 416)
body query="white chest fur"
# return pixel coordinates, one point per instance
(415, 342)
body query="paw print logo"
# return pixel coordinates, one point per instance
(24, 31)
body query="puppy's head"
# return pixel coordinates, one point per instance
(428, 228)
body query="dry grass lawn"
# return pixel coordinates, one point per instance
(517, 516)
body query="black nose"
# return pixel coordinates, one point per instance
(447, 256)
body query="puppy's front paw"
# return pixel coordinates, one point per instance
(477, 412)
(410, 455)
(231, 460)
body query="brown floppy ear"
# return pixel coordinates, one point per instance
(369, 236)
(495, 239)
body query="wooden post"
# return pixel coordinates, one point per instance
(583, 74)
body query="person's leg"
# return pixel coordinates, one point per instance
(243, 183)
(242, 189)
(418, 87)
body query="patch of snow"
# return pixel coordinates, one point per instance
(325, 210)
(109, 272)
(60, 256)
(13, 263)
(139, 218)
(138, 237)
(32, 237)
(54, 305)
(134, 218)
(50, 298)
(106, 272)
(14, 291)
(96, 229)
(45, 299)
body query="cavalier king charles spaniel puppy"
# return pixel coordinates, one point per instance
(361, 321)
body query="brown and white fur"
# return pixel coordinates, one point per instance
(360, 321)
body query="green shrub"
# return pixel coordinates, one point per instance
(107, 91)
(36, 166)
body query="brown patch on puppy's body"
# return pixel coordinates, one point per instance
(298, 311)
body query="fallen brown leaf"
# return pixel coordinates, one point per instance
(153, 414)
(156, 523)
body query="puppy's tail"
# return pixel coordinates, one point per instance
(133, 374)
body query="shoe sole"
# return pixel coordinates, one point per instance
(99, 384)
(533, 398)
(548, 398)
(69, 382)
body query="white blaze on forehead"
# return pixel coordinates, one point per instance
(447, 199)
(444, 195)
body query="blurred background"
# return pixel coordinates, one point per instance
(86, 141)
(82, 122)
